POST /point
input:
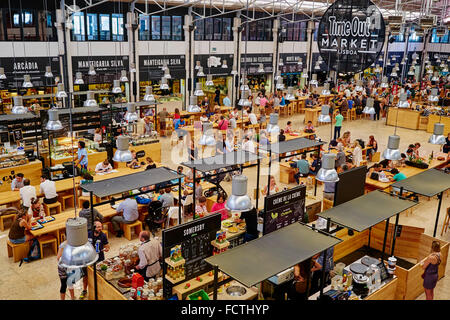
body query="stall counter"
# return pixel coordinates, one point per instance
(152, 150)
(403, 117)
(31, 170)
(105, 291)
(432, 119)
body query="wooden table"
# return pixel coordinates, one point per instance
(31, 170)
(312, 114)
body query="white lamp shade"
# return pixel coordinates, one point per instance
(327, 173)
(116, 87)
(239, 201)
(123, 76)
(48, 72)
(163, 85)
(392, 152)
(27, 81)
(2, 73)
(91, 71)
(122, 153)
(90, 100)
(78, 78)
(149, 97)
(53, 122)
(198, 90)
(18, 107)
(60, 93)
(131, 114)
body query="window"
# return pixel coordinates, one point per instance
(78, 26)
(165, 28)
(260, 30)
(199, 32)
(105, 30)
(144, 27)
(252, 34)
(435, 39)
(226, 29)
(316, 27)
(156, 28)
(117, 27)
(303, 31)
(92, 27)
(209, 28)
(217, 28)
(413, 37)
(399, 38)
(177, 28)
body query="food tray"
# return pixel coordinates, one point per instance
(36, 226)
(201, 293)
(46, 219)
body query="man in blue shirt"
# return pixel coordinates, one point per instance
(226, 102)
(316, 165)
(129, 210)
(82, 156)
(303, 168)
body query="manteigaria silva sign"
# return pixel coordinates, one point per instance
(351, 35)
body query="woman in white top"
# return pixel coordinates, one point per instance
(357, 153)
(103, 166)
(48, 188)
(252, 117)
(98, 135)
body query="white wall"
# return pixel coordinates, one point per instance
(28, 49)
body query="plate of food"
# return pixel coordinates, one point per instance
(242, 226)
(227, 224)
(36, 225)
(233, 229)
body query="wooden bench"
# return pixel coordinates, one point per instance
(17, 251)
(48, 239)
(48, 208)
(3, 218)
(137, 225)
(63, 199)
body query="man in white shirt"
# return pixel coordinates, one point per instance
(252, 117)
(48, 188)
(150, 252)
(27, 192)
(17, 183)
(129, 210)
(104, 167)
(248, 145)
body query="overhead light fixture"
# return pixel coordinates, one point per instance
(133, 67)
(116, 87)
(430, 70)
(317, 66)
(207, 138)
(234, 72)
(198, 65)
(280, 84)
(193, 107)
(123, 76)
(278, 75)
(427, 59)
(163, 85)
(388, 63)
(438, 134)
(434, 96)
(445, 69)
(90, 100)
(442, 65)
(326, 89)
(131, 114)
(290, 95)
(427, 22)
(209, 81)
(78, 78)
(273, 127)
(438, 60)
(314, 81)
(200, 72)
(78, 251)
(435, 76)
(2, 73)
(327, 173)
(60, 93)
(18, 107)
(198, 90)
(261, 68)
(300, 61)
(380, 58)
(164, 66)
(53, 122)
(395, 20)
(243, 101)
(225, 66)
(392, 152)
(304, 75)
(394, 73)
(48, 72)
(239, 201)
(27, 81)
(324, 115)
(280, 62)
(359, 87)
(244, 85)
(91, 71)
(122, 154)
(167, 74)
(149, 97)
(411, 71)
(403, 100)
(403, 61)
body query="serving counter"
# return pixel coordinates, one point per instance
(152, 150)
(31, 170)
(404, 117)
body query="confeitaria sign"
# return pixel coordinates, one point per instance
(351, 35)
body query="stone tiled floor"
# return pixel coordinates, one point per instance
(39, 279)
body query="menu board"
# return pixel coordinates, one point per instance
(195, 239)
(284, 208)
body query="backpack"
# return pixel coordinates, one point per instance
(35, 250)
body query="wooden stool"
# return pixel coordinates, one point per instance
(137, 225)
(105, 231)
(82, 199)
(3, 218)
(108, 226)
(363, 163)
(48, 239)
(17, 251)
(446, 222)
(353, 114)
(49, 207)
(326, 204)
(63, 200)
(290, 110)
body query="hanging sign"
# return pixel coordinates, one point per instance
(150, 67)
(351, 35)
(251, 62)
(213, 63)
(290, 62)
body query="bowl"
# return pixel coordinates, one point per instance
(236, 291)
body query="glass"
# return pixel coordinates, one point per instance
(303, 31)
(217, 29)
(156, 28)
(290, 32)
(199, 32)
(165, 27)
(177, 28)
(260, 30)
(244, 32)
(209, 28)
(268, 30)
(252, 34)
(105, 29)
(117, 27)
(226, 29)
(296, 34)
(78, 26)
(144, 27)
(316, 27)
(92, 26)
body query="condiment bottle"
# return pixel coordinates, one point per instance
(159, 296)
(133, 293)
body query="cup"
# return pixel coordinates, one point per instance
(392, 261)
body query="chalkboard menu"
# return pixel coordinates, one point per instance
(17, 134)
(290, 62)
(195, 238)
(284, 208)
(105, 117)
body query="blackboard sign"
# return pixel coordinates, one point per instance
(284, 208)
(150, 67)
(212, 63)
(4, 136)
(290, 62)
(17, 135)
(350, 185)
(105, 117)
(195, 238)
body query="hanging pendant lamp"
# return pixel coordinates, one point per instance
(384, 83)
(207, 138)
(200, 72)
(209, 81)
(78, 251)
(123, 76)
(304, 75)
(403, 100)
(18, 107)
(198, 90)
(149, 97)
(133, 67)
(167, 74)
(411, 71)
(273, 127)
(326, 89)
(314, 81)
(90, 101)
(438, 134)
(300, 61)
(48, 72)
(243, 101)
(278, 75)
(224, 65)
(280, 84)
(324, 115)
(163, 85)
(359, 87)
(116, 87)
(53, 123)
(198, 65)
(2, 73)
(290, 95)
(434, 96)
(234, 72)
(193, 107)
(327, 173)
(78, 78)
(435, 76)
(261, 68)
(131, 114)
(164, 66)
(27, 81)
(369, 109)
(122, 154)
(60, 93)
(244, 85)
(392, 152)
(91, 71)
(239, 201)
(280, 62)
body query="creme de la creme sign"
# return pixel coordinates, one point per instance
(351, 35)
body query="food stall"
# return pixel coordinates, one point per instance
(434, 118)
(373, 237)
(403, 118)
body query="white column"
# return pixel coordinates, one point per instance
(310, 32)
(130, 19)
(276, 24)
(236, 57)
(187, 35)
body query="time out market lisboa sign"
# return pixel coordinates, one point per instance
(351, 35)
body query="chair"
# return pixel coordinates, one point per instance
(66, 199)
(48, 208)
(353, 114)
(3, 218)
(82, 199)
(346, 114)
(155, 218)
(137, 226)
(48, 239)
(446, 222)
(17, 251)
(290, 109)
(326, 204)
